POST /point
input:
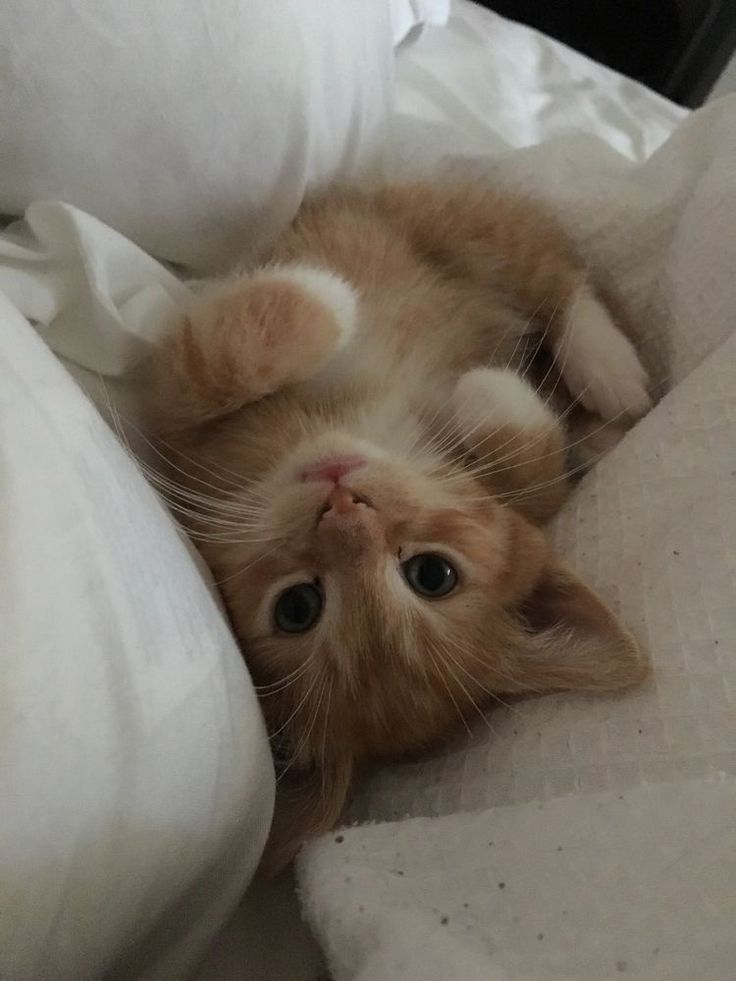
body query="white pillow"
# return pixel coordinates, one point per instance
(136, 781)
(193, 128)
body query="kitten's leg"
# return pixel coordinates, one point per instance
(516, 439)
(518, 247)
(246, 338)
(598, 363)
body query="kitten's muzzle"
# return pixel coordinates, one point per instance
(343, 503)
(349, 530)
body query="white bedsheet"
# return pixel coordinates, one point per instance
(486, 84)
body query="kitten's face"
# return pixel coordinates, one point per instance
(379, 608)
(380, 603)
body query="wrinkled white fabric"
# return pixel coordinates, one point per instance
(485, 84)
(98, 300)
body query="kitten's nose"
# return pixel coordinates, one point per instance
(333, 469)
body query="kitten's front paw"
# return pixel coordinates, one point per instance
(291, 309)
(515, 438)
(488, 400)
(599, 364)
(246, 338)
(275, 327)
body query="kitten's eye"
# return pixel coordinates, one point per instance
(430, 575)
(298, 608)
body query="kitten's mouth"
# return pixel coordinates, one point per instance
(343, 502)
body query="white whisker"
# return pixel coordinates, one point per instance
(440, 675)
(308, 732)
(248, 565)
(448, 659)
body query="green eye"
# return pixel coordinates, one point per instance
(430, 575)
(298, 608)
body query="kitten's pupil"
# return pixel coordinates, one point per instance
(298, 608)
(430, 575)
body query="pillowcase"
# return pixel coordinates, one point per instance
(193, 128)
(137, 784)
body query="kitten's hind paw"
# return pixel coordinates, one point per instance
(599, 364)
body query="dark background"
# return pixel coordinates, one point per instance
(677, 47)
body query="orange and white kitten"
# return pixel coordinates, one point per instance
(365, 467)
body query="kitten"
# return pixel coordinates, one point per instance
(365, 466)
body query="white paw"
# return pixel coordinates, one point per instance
(328, 287)
(598, 364)
(487, 399)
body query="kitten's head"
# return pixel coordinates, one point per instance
(380, 602)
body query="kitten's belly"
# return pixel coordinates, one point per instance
(426, 366)
(368, 368)
(382, 387)
(397, 377)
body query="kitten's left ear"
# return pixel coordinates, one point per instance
(308, 803)
(572, 640)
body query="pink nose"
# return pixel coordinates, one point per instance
(333, 469)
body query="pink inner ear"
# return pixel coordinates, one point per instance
(560, 600)
(574, 641)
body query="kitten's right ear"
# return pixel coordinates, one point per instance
(572, 640)
(308, 803)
